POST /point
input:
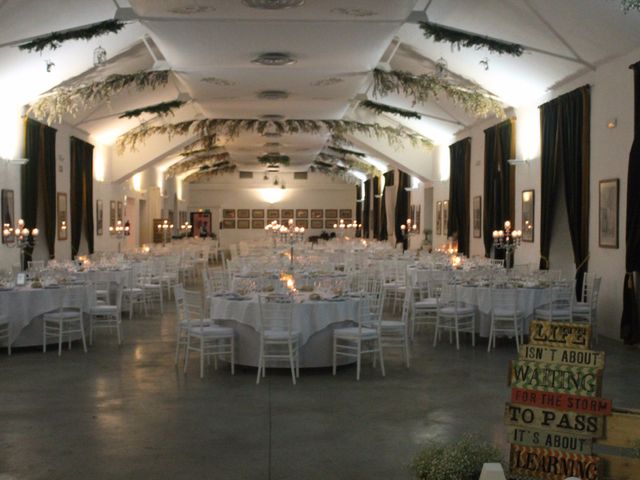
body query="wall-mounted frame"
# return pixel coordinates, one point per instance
(244, 213)
(439, 218)
(244, 223)
(331, 213)
(317, 213)
(229, 213)
(445, 218)
(257, 213)
(346, 213)
(317, 223)
(201, 222)
(302, 213)
(302, 223)
(286, 214)
(228, 224)
(99, 218)
(112, 215)
(62, 223)
(477, 217)
(273, 214)
(8, 212)
(328, 224)
(257, 224)
(528, 215)
(609, 210)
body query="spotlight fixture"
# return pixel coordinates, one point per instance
(273, 94)
(274, 59)
(273, 4)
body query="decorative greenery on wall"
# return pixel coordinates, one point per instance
(379, 108)
(207, 160)
(423, 87)
(440, 33)
(231, 128)
(162, 109)
(55, 39)
(630, 5)
(69, 100)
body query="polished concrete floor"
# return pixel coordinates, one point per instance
(127, 413)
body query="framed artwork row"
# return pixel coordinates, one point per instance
(257, 218)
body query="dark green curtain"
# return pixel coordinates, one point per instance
(366, 207)
(403, 197)
(388, 181)
(460, 156)
(565, 144)
(39, 175)
(81, 194)
(358, 209)
(499, 181)
(377, 197)
(630, 323)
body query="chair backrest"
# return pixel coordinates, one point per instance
(193, 308)
(178, 295)
(505, 299)
(592, 292)
(276, 312)
(73, 299)
(35, 265)
(118, 296)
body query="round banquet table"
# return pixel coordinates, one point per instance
(25, 307)
(316, 321)
(109, 276)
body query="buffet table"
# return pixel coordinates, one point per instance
(316, 321)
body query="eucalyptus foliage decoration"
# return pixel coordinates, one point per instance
(349, 164)
(231, 128)
(458, 38)
(196, 162)
(274, 159)
(423, 87)
(55, 39)
(379, 108)
(69, 100)
(346, 151)
(208, 172)
(162, 109)
(630, 5)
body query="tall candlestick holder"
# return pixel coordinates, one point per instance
(408, 229)
(165, 228)
(19, 237)
(507, 240)
(273, 231)
(291, 235)
(119, 230)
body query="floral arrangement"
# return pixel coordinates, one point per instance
(440, 33)
(55, 39)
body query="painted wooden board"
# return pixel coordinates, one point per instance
(551, 377)
(569, 423)
(532, 462)
(532, 437)
(559, 334)
(623, 435)
(561, 401)
(564, 356)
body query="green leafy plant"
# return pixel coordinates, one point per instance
(55, 39)
(162, 109)
(630, 5)
(379, 108)
(440, 33)
(459, 460)
(274, 159)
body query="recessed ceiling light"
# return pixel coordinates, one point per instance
(191, 9)
(354, 12)
(273, 94)
(274, 59)
(273, 4)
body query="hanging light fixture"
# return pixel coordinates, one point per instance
(99, 57)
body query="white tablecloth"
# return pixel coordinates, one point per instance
(315, 321)
(25, 306)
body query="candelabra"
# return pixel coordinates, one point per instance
(507, 240)
(407, 229)
(119, 230)
(291, 235)
(165, 229)
(273, 229)
(19, 237)
(185, 228)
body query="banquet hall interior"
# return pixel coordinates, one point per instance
(306, 239)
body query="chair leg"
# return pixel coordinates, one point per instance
(202, 357)
(186, 353)
(406, 349)
(334, 355)
(44, 336)
(260, 361)
(84, 342)
(457, 335)
(473, 330)
(292, 363)
(359, 359)
(233, 356)
(178, 342)
(91, 330)
(491, 333)
(381, 356)
(118, 322)
(59, 339)
(437, 331)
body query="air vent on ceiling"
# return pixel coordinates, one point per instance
(390, 51)
(273, 4)
(246, 174)
(300, 175)
(274, 59)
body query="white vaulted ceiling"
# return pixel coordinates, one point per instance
(210, 45)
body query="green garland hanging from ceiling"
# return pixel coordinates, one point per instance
(55, 39)
(459, 39)
(70, 99)
(231, 128)
(161, 109)
(208, 172)
(628, 5)
(380, 108)
(274, 159)
(423, 87)
(346, 151)
(197, 161)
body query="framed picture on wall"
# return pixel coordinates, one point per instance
(439, 218)
(287, 213)
(477, 217)
(328, 224)
(257, 224)
(228, 213)
(257, 213)
(316, 223)
(8, 212)
(228, 224)
(244, 224)
(528, 215)
(302, 213)
(244, 213)
(346, 213)
(63, 224)
(331, 213)
(273, 214)
(317, 213)
(112, 214)
(99, 218)
(302, 223)
(201, 222)
(608, 213)
(445, 218)
(120, 214)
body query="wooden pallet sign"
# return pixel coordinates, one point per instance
(563, 356)
(531, 437)
(560, 334)
(533, 462)
(561, 401)
(551, 377)
(570, 423)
